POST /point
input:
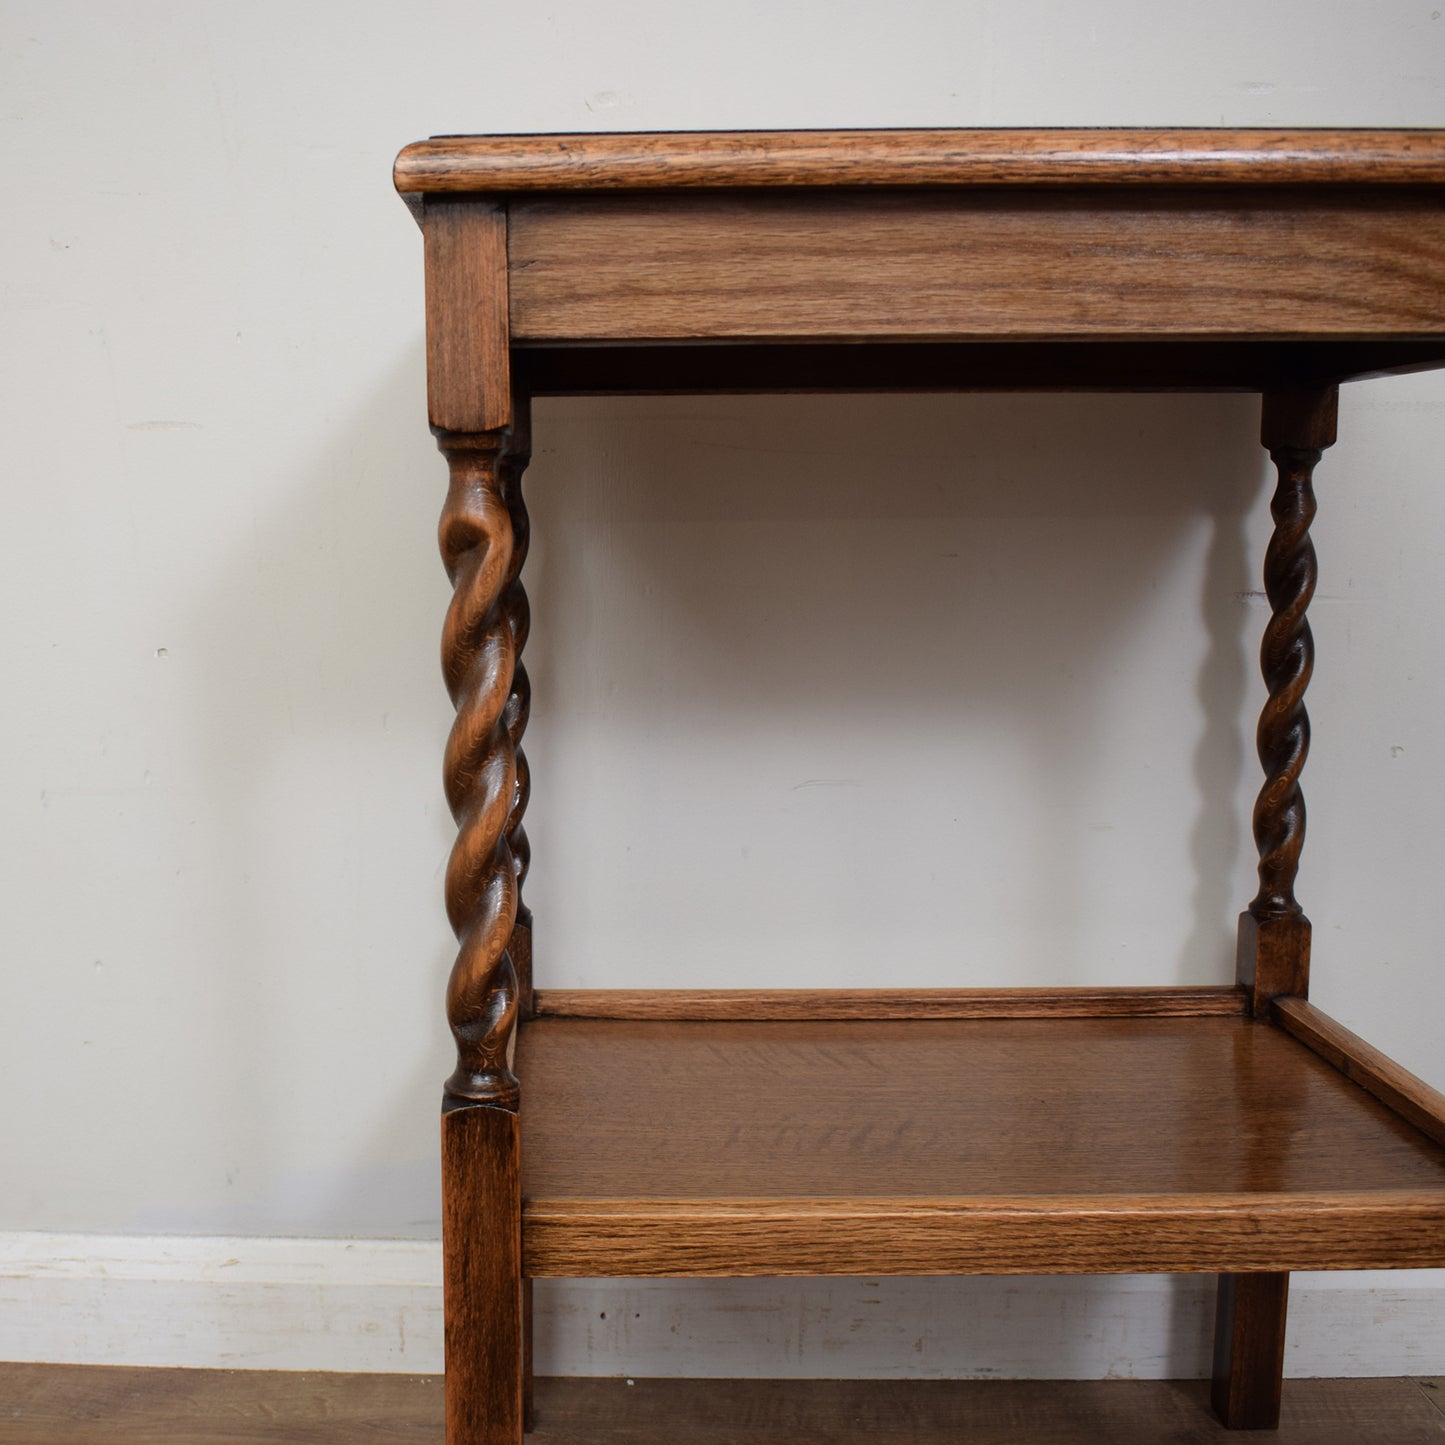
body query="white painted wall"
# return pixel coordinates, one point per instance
(223, 841)
(376, 1304)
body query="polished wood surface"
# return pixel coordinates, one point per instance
(1249, 1337)
(902, 1003)
(1032, 1234)
(664, 1133)
(468, 357)
(516, 608)
(1295, 427)
(482, 1276)
(1273, 950)
(1011, 1145)
(974, 266)
(1409, 1097)
(89, 1405)
(808, 158)
(638, 1109)
(479, 661)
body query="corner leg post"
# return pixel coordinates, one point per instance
(482, 1276)
(1249, 1326)
(1273, 957)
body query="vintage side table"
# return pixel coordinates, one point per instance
(1236, 1129)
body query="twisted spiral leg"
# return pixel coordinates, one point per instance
(480, 769)
(1273, 953)
(1273, 956)
(1287, 659)
(518, 612)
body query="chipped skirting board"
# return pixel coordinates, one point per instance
(375, 1304)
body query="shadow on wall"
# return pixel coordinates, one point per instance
(859, 691)
(814, 673)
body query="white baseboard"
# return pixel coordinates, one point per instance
(375, 1304)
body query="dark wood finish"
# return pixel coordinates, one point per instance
(894, 158)
(950, 1108)
(941, 366)
(974, 265)
(529, 1379)
(1410, 1097)
(1249, 1325)
(904, 1003)
(912, 1131)
(1273, 955)
(90, 1405)
(468, 357)
(1017, 1145)
(1209, 1232)
(518, 612)
(482, 1270)
(479, 656)
(487, 1324)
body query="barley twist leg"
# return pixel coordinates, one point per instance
(480, 769)
(1274, 934)
(1287, 659)
(518, 613)
(1273, 955)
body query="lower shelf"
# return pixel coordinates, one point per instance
(958, 1146)
(943, 1412)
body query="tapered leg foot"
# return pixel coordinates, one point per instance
(1249, 1350)
(482, 1265)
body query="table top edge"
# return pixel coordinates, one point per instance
(690, 160)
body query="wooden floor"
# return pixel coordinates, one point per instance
(80, 1405)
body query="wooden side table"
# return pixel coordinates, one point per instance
(1236, 1130)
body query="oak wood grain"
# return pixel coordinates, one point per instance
(1034, 1145)
(1066, 1234)
(1409, 1096)
(969, 265)
(482, 1276)
(1249, 1337)
(656, 1109)
(90, 1405)
(726, 1134)
(1273, 951)
(468, 354)
(906, 1003)
(710, 159)
(479, 767)
(516, 607)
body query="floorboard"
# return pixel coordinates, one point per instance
(87, 1405)
(1434, 1391)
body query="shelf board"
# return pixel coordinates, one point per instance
(1002, 1145)
(756, 1005)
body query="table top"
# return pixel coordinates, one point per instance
(760, 260)
(925, 158)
